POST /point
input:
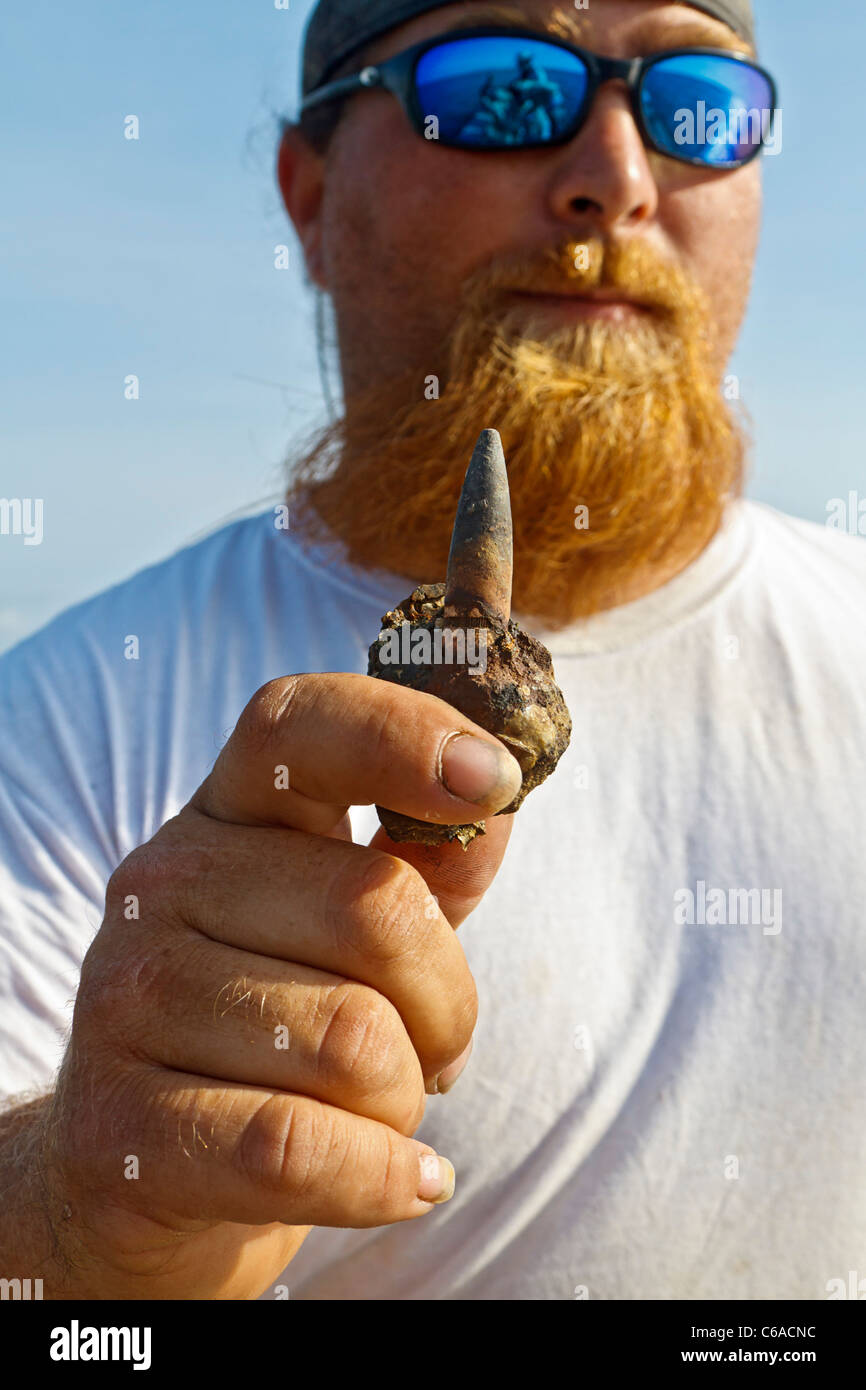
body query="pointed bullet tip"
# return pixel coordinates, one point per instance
(480, 563)
(489, 447)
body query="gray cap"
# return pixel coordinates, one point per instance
(338, 27)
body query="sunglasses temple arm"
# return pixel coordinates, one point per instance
(370, 77)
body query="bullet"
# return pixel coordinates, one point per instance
(512, 694)
(481, 561)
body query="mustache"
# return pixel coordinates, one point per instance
(633, 268)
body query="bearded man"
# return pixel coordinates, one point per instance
(664, 964)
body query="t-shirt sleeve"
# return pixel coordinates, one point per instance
(56, 852)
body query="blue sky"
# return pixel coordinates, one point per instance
(156, 257)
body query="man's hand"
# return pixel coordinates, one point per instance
(267, 1004)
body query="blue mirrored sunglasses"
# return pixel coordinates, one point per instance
(497, 89)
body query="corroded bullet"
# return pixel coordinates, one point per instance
(481, 561)
(457, 640)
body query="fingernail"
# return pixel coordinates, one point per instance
(437, 1179)
(447, 1078)
(477, 771)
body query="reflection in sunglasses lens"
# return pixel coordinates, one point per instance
(500, 91)
(705, 107)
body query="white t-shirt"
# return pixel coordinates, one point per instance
(667, 1095)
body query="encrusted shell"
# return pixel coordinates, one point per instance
(513, 695)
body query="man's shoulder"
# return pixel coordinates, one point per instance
(840, 547)
(807, 597)
(150, 673)
(822, 560)
(215, 570)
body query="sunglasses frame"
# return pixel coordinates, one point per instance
(397, 76)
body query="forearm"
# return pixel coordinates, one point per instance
(31, 1244)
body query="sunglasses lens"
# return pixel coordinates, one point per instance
(713, 110)
(496, 92)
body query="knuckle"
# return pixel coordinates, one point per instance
(100, 988)
(266, 711)
(116, 989)
(363, 1042)
(127, 880)
(377, 909)
(279, 1148)
(456, 1024)
(153, 877)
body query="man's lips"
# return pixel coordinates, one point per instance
(610, 304)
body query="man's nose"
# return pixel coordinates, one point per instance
(604, 174)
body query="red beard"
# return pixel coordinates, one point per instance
(621, 450)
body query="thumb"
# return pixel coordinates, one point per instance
(458, 877)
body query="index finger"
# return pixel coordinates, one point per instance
(308, 747)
